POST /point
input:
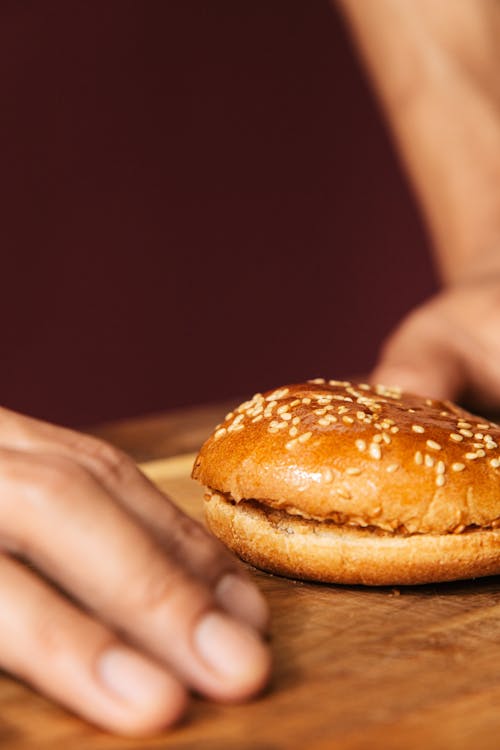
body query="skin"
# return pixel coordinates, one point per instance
(132, 604)
(435, 68)
(136, 605)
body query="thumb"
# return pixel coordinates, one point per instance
(420, 357)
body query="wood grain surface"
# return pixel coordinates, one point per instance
(355, 669)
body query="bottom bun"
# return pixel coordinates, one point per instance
(323, 551)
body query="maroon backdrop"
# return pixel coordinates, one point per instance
(198, 200)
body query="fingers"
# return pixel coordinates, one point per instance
(183, 538)
(65, 654)
(56, 514)
(421, 357)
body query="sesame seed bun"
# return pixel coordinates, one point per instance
(352, 483)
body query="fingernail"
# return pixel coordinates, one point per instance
(231, 649)
(243, 600)
(130, 677)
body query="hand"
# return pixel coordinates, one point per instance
(125, 603)
(450, 346)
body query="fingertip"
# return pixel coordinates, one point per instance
(239, 660)
(242, 599)
(149, 698)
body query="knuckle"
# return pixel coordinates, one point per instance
(46, 473)
(168, 589)
(110, 462)
(54, 475)
(33, 489)
(204, 551)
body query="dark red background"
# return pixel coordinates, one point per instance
(198, 200)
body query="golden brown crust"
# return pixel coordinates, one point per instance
(291, 546)
(367, 455)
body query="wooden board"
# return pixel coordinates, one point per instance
(355, 668)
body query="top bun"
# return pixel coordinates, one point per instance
(359, 455)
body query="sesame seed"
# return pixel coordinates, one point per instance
(281, 409)
(343, 383)
(296, 420)
(257, 418)
(417, 428)
(229, 415)
(386, 438)
(491, 444)
(219, 433)
(433, 445)
(293, 431)
(419, 459)
(364, 386)
(456, 437)
(324, 421)
(327, 474)
(471, 456)
(392, 468)
(440, 467)
(317, 381)
(320, 412)
(429, 401)
(272, 430)
(481, 453)
(304, 437)
(394, 429)
(236, 428)
(377, 438)
(275, 395)
(429, 461)
(353, 471)
(306, 400)
(375, 451)
(295, 402)
(347, 420)
(286, 416)
(440, 480)
(463, 423)
(291, 444)
(343, 492)
(478, 436)
(483, 426)
(245, 406)
(360, 415)
(458, 466)
(342, 409)
(360, 445)
(466, 433)
(495, 462)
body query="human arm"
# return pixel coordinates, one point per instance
(434, 66)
